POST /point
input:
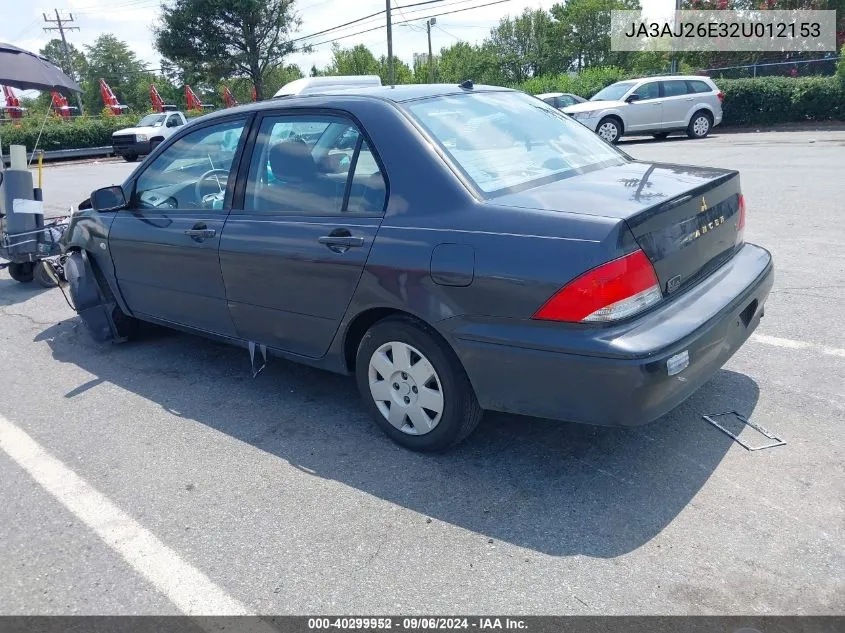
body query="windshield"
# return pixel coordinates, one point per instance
(151, 120)
(503, 140)
(613, 92)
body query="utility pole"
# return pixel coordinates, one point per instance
(674, 69)
(61, 28)
(429, 24)
(389, 46)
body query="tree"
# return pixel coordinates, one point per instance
(581, 32)
(223, 38)
(464, 61)
(55, 52)
(402, 73)
(357, 60)
(522, 45)
(112, 60)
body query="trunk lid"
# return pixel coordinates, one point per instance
(684, 218)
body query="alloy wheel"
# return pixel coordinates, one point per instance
(608, 131)
(701, 126)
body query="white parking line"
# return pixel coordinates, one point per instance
(189, 589)
(792, 344)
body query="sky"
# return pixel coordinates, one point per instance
(132, 21)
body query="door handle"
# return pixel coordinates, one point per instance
(340, 240)
(348, 242)
(200, 232)
(690, 99)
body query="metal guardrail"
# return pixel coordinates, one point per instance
(70, 154)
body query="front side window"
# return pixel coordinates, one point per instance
(675, 88)
(174, 121)
(503, 140)
(313, 165)
(650, 90)
(193, 172)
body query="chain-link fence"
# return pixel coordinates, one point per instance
(797, 68)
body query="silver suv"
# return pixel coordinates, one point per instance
(655, 105)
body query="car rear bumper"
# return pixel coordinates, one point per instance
(617, 375)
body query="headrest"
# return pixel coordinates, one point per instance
(291, 160)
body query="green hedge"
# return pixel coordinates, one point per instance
(60, 134)
(768, 100)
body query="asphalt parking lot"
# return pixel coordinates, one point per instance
(188, 486)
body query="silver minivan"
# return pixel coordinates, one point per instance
(653, 105)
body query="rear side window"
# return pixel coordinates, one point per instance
(698, 86)
(674, 88)
(313, 165)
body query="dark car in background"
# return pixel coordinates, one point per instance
(457, 248)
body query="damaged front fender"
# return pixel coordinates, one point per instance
(94, 303)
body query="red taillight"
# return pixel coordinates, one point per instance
(721, 96)
(612, 291)
(740, 220)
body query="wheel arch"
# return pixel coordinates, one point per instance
(701, 107)
(366, 319)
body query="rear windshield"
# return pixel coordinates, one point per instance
(507, 140)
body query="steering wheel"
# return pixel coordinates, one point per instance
(211, 173)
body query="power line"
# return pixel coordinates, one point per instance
(434, 15)
(361, 19)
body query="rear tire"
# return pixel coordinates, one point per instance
(700, 124)
(610, 129)
(414, 386)
(23, 273)
(130, 158)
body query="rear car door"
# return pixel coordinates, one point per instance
(165, 246)
(647, 112)
(300, 233)
(676, 103)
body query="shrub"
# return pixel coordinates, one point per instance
(59, 134)
(768, 100)
(585, 84)
(840, 67)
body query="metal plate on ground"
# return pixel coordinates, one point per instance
(775, 441)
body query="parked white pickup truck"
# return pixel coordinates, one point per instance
(142, 139)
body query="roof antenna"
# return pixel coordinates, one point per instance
(466, 84)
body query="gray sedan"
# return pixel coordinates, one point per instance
(456, 248)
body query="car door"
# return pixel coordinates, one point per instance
(676, 103)
(165, 245)
(296, 242)
(646, 113)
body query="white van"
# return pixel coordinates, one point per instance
(310, 85)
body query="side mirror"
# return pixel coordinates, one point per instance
(108, 199)
(633, 98)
